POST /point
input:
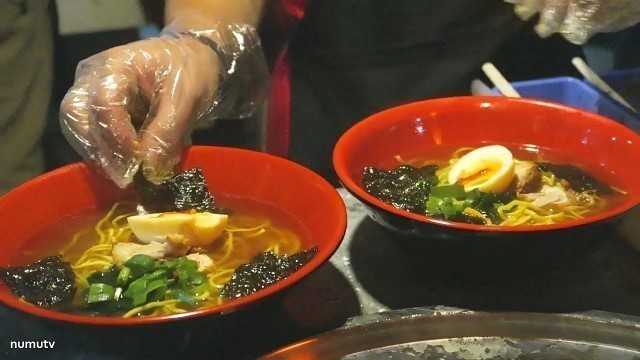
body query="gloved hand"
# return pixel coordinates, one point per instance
(133, 105)
(579, 20)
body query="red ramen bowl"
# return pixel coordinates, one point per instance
(310, 205)
(434, 128)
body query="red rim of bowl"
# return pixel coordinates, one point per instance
(348, 140)
(320, 258)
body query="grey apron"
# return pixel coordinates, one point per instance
(26, 58)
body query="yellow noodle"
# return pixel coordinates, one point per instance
(461, 152)
(74, 240)
(255, 228)
(519, 212)
(411, 162)
(92, 263)
(618, 190)
(473, 212)
(203, 296)
(220, 277)
(155, 304)
(242, 240)
(254, 234)
(82, 282)
(228, 247)
(549, 178)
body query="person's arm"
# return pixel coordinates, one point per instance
(202, 14)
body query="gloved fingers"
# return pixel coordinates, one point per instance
(579, 20)
(552, 14)
(79, 127)
(95, 119)
(531, 4)
(110, 103)
(525, 9)
(523, 12)
(134, 105)
(74, 119)
(170, 120)
(582, 21)
(186, 98)
(112, 120)
(552, 17)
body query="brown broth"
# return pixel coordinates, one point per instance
(244, 213)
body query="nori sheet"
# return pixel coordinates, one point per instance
(46, 282)
(264, 269)
(578, 179)
(405, 187)
(185, 191)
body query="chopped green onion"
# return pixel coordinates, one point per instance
(142, 280)
(158, 274)
(448, 191)
(183, 297)
(156, 289)
(137, 291)
(118, 293)
(108, 276)
(197, 278)
(140, 264)
(100, 292)
(123, 276)
(199, 290)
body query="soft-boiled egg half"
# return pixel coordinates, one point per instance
(193, 229)
(489, 169)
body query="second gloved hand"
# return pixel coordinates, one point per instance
(579, 20)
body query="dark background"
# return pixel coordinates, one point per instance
(605, 51)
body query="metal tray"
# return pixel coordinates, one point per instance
(448, 333)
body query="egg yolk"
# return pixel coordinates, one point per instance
(485, 171)
(489, 169)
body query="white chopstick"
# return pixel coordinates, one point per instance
(498, 80)
(478, 87)
(596, 80)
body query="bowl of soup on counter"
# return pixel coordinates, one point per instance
(489, 166)
(230, 229)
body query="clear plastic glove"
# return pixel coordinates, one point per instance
(133, 106)
(579, 20)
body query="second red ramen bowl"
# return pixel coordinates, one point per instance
(530, 128)
(312, 207)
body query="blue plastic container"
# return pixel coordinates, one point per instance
(573, 92)
(625, 82)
